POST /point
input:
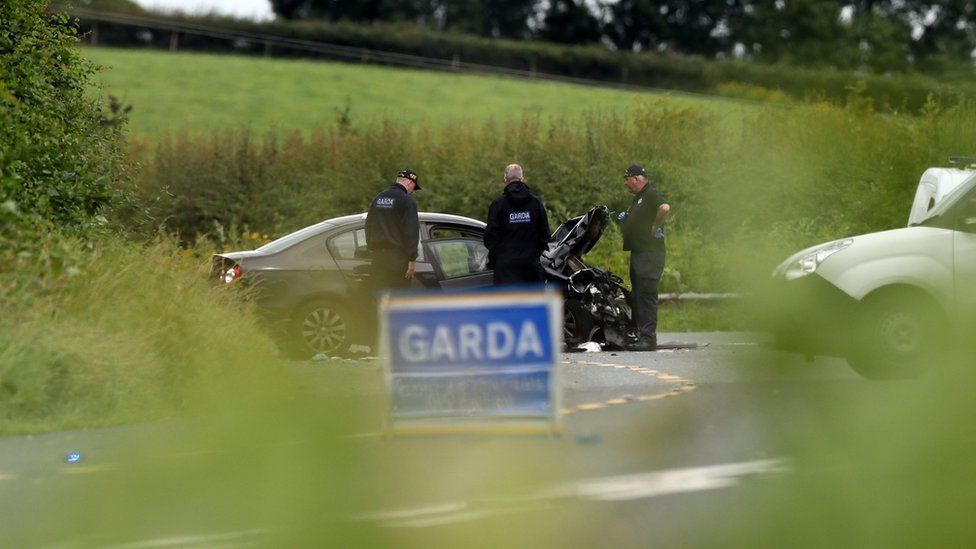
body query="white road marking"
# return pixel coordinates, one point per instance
(602, 489)
(414, 512)
(206, 540)
(673, 481)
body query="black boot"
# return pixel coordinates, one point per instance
(644, 344)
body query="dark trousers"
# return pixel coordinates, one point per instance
(386, 273)
(645, 276)
(524, 271)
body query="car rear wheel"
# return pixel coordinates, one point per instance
(320, 328)
(577, 321)
(899, 335)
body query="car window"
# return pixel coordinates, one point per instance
(294, 238)
(445, 231)
(352, 245)
(950, 200)
(460, 257)
(345, 245)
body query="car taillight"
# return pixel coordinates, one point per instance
(231, 274)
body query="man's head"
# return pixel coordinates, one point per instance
(635, 178)
(409, 180)
(513, 172)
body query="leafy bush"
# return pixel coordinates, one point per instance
(94, 330)
(750, 92)
(59, 153)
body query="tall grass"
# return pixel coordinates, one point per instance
(114, 332)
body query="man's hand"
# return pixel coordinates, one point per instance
(410, 267)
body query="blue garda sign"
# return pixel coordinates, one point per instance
(473, 361)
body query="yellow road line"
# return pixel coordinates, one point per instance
(683, 386)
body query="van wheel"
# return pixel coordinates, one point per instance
(577, 321)
(319, 327)
(898, 335)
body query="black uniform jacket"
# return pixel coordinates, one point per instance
(518, 227)
(638, 235)
(392, 222)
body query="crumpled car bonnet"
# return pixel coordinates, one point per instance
(577, 236)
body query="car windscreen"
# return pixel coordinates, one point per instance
(294, 238)
(949, 200)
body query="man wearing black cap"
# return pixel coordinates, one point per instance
(643, 230)
(392, 233)
(517, 232)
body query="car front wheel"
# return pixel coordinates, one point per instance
(898, 335)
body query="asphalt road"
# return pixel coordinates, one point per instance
(659, 448)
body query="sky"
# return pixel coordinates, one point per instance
(252, 9)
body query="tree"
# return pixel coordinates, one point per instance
(570, 22)
(491, 18)
(803, 32)
(688, 26)
(360, 10)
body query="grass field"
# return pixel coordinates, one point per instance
(200, 92)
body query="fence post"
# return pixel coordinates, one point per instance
(532, 68)
(456, 62)
(267, 48)
(94, 34)
(174, 41)
(365, 56)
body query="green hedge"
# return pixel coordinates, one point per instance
(591, 62)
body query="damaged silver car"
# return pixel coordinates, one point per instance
(311, 284)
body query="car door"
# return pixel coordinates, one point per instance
(459, 262)
(348, 249)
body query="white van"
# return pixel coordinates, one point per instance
(886, 300)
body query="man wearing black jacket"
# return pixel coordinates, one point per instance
(392, 233)
(517, 232)
(643, 230)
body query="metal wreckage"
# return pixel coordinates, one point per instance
(597, 306)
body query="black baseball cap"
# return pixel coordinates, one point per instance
(634, 170)
(411, 175)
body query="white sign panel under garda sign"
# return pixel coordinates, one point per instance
(472, 361)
